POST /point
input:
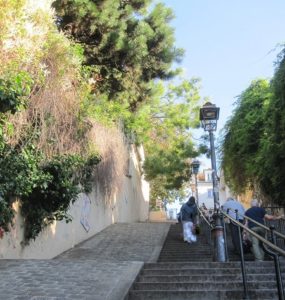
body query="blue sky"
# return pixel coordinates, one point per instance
(228, 44)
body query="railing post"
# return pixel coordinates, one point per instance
(219, 242)
(206, 227)
(277, 266)
(225, 237)
(242, 259)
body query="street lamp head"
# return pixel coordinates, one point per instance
(209, 115)
(195, 166)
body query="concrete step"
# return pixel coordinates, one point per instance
(224, 265)
(186, 250)
(176, 250)
(186, 271)
(185, 253)
(182, 259)
(185, 245)
(205, 278)
(205, 258)
(198, 244)
(206, 286)
(202, 294)
(206, 271)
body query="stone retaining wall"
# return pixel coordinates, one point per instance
(91, 213)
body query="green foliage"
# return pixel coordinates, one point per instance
(19, 175)
(14, 92)
(128, 44)
(40, 73)
(50, 200)
(125, 46)
(166, 134)
(45, 190)
(84, 173)
(171, 111)
(20, 172)
(6, 214)
(272, 154)
(171, 164)
(243, 133)
(254, 142)
(158, 191)
(107, 112)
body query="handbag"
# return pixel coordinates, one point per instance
(246, 242)
(196, 229)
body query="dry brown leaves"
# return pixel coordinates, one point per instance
(112, 147)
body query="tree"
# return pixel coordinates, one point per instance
(254, 141)
(242, 137)
(167, 135)
(127, 44)
(272, 157)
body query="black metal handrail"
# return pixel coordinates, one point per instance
(203, 216)
(276, 263)
(242, 261)
(265, 227)
(271, 245)
(209, 227)
(261, 225)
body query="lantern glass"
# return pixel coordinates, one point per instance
(209, 115)
(195, 166)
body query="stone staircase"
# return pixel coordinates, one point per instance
(176, 250)
(186, 271)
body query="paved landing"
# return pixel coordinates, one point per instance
(102, 268)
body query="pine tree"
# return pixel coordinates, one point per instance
(127, 44)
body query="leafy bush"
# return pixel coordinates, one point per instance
(45, 190)
(14, 92)
(6, 214)
(241, 144)
(254, 139)
(50, 200)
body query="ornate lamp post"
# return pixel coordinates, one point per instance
(195, 169)
(209, 115)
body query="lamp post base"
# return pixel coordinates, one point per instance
(218, 238)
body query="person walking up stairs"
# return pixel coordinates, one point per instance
(188, 215)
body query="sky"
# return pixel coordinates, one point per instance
(228, 44)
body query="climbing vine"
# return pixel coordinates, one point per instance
(45, 190)
(45, 155)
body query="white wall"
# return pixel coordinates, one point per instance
(207, 184)
(225, 191)
(173, 209)
(130, 204)
(204, 197)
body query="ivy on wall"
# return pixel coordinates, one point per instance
(45, 190)
(45, 187)
(46, 158)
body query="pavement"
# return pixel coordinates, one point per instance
(101, 268)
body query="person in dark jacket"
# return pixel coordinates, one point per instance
(189, 214)
(258, 214)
